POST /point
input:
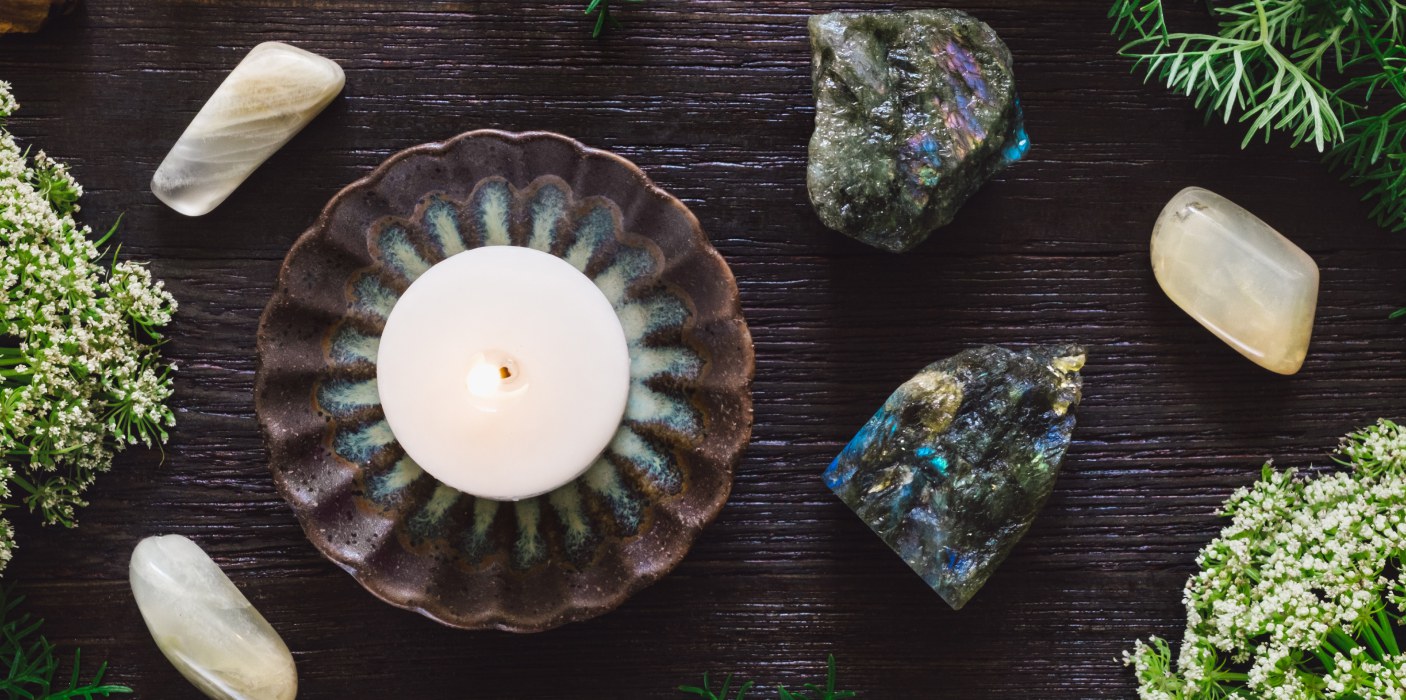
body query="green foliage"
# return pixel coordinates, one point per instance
(811, 692)
(1303, 595)
(601, 10)
(80, 375)
(724, 693)
(33, 666)
(1327, 72)
(819, 693)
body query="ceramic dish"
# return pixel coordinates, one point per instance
(472, 563)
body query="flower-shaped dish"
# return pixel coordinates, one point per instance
(473, 563)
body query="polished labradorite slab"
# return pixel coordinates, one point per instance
(914, 111)
(960, 459)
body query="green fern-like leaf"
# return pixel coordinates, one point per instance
(1243, 71)
(33, 666)
(817, 692)
(1141, 17)
(812, 691)
(1327, 72)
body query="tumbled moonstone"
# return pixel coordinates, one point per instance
(265, 101)
(206, 628)
(1238, 277)
(953, 469)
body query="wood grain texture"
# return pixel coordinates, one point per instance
(712, 99)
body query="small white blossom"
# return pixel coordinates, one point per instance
(1294, 599)
(79, 373)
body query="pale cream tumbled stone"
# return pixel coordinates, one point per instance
(206, 628)
(1238, 277)
(262, 104)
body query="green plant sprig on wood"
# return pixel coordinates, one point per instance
(1327, 72)
(80, 373)
(601, 10)
(811, 692)
(1303, 594)
(32, 666)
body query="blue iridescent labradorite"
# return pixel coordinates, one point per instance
(957, 463)
(914, 112)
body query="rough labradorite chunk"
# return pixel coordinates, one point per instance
(914, 111)
(955, 466)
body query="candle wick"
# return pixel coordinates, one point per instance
(504, 373)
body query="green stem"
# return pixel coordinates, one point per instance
(1264, 23)
(1325, 658)
(1388, 634)
(1344, 643)
(1369, 634)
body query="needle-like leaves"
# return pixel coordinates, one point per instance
(30, 666)
(1327, 72)
(601, 10)
(812, 691)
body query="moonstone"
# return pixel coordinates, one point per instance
(952, 471)
(206, 628)
(1241, 279)
(265, 101)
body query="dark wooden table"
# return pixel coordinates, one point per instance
(712, 99)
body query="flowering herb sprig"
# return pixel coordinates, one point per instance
(1331, 73)
(1303, 595)
(80, 377)
(29, 663)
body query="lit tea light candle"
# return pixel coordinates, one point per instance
(503, 372)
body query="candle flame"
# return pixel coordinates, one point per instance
(486, 379)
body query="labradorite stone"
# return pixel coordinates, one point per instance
(955, 466)
(914, 111)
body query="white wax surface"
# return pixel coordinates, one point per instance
(481, 314)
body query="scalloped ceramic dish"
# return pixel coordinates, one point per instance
(472, 563)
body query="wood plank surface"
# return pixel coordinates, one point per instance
(712, 98)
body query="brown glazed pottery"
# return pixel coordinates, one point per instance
(473, 563)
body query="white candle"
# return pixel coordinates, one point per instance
(503, 372)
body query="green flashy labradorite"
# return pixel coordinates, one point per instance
(914, 111)
(955, 466)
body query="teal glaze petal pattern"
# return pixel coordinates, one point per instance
(441, 220)
(491, 205)
(384, 488)
(477, 541)
(548, 211)
(689, 399)
(399, 256)
(342, 397)
(364, 442)
(531, 548)
(350, 346)
(603, 479)
(373, 298)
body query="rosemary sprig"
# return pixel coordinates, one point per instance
(1327, 72)
(33, 666)
(812, 691)
(601, 10)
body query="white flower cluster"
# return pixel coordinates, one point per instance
(1303, 596)
(79, 373)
